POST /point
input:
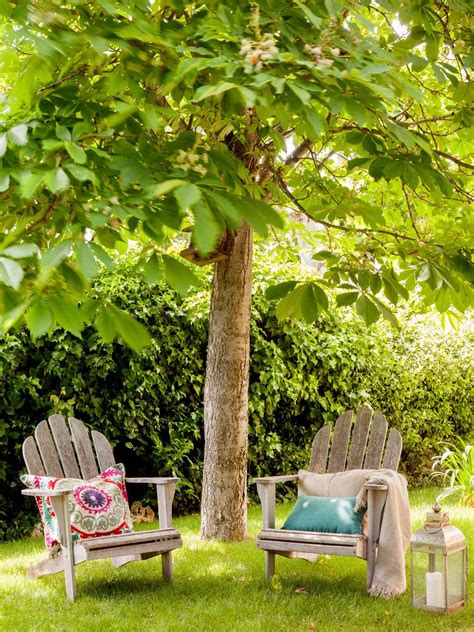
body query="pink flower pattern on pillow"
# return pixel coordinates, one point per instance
(97, 507)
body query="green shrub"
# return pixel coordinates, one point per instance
(150, 404)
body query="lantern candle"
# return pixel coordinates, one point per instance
(434, 590)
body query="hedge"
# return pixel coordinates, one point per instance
(150, 404)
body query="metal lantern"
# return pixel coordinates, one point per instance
(438, 564)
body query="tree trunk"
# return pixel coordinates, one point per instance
(224, 495)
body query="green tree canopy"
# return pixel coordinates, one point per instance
(123, 122)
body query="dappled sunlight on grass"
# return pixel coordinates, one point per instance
(217, 586)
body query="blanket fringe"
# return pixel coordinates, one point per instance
(381, 589)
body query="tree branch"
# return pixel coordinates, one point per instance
(46, 215)
(345, 229)
(410, 212)
(298, 153)
(454, 159)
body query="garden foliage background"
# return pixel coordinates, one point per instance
(301, 376)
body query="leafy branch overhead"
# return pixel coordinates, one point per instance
(122, 124)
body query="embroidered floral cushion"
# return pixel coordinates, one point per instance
(97, 507)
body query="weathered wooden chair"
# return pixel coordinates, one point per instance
(365, 452)
(51, 452)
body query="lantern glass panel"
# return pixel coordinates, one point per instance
(428, 579)
(456, 573)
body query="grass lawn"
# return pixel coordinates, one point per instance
(217, 586)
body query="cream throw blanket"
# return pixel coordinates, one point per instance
(389, 577)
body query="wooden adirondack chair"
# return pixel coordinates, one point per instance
(51, 452)
(366, 451)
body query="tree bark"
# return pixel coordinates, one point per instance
(224, 495)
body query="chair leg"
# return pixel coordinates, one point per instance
(60, 506)
(269, 565)
(370, 571)
(167, 566)
(69, 574)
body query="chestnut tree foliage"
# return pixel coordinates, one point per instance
(123, 122)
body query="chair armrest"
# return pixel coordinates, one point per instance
(46, 492)
(270, 480)
(375, 488)
(157, 480)
(60, 501)
(376, 498)
(165, 489)
(266, 487)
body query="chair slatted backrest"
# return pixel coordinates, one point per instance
(356, 444)
(55, 450)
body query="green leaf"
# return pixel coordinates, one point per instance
(375, 283)
(309, 305)
(68, 315)
(387, 313)
(280, 290)
(74, 279)
(4, 181)
(165, 187)
(178, 275)
(204, 92)
(206, 229)
(81, 173)
(333, 7)
(76, 153)
(105, 324)
(21, 251)
(270, 214)
(355, 137)
(51, 144)
(303, 95)
(63, 133)
(86, 261)
(346, 298)
(424, 273)
(153, 270)
(315, 21)
(56, 180)
(443, 299)
(187, 195)
(356, 111)
(11, 273)
(102, 255)
(320, 296)
(290, 304)
(39, 318)
(29, 183)
(227, 207)
(52, 258)
(250, 212)
(367, 309)
(18, 135)
(133, 333)
(3, 144)
(80, 129)
(315, 122)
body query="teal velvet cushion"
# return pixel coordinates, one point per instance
(326, 515)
